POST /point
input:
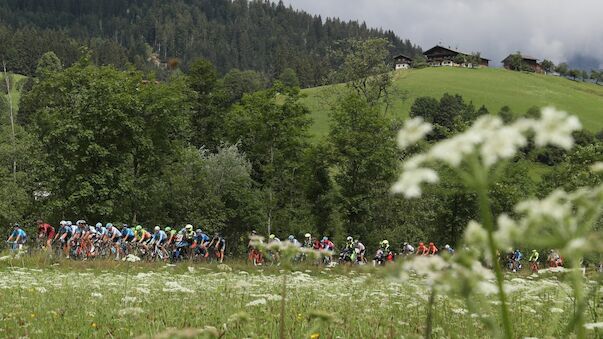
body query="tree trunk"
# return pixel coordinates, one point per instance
(12, 122)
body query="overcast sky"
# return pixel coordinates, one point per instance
(554, 29)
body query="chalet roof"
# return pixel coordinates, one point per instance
(524, 57)
(429, 51)
(399, 56)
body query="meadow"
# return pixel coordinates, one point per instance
(51, 299)
(491, 87)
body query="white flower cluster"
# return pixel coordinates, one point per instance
(487, 138)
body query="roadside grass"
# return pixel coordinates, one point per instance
(103, 298)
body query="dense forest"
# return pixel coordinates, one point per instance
(153, 35)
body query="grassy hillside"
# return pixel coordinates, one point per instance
(491, 87)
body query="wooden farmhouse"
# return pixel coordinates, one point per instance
(531, 62)
(402, 61)
(442, 56)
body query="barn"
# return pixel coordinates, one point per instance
(529, 61)
(402, 61)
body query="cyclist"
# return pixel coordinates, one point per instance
(407, 249)
(327, 244)
(317, 245)
(76, 234)
(63, 236)
(219, 245)
(422, 249)
(517, 256)
(114, 236)
(127, 233)
(449, 249)
(360, 250)
(184, 240)
(534, 261)
(347, 254)
(18, 237)
(307, 240)
(200, 243)
(45, 231)
(294, 241)
(433, 250)
(101, 231)
(159, 238)
(254, 256)
(143, 237)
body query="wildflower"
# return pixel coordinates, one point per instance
(93, 325)
(507, 231)
(410, 181)
(596, 167)
(315, 336)
(130, 311)
(128, 299)
(414, 130)
(131, 258)
(556, 310)
(501, 144)
(96, 295)
(592, 326)
(475, 233)
(257, 302)
(460, 311)
(452, 151)
(224, 268)
(555, 128)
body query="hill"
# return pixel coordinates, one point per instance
(491, 87)
(154, 35)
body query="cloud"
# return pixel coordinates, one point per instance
(554, 29)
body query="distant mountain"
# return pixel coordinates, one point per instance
(585, 63)
(258, 35)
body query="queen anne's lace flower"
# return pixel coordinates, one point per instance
(410, 181)
(414, 130)
(597, 167)
(501, 144)
(555, 128)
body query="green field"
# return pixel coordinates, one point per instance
(491, 87)
(106, 299)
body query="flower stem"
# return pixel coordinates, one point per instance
(429, 327)
(488, 222)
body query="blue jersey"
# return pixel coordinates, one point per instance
(517, 255)
(127, 233)
(160, 236)
(201, 238)
(19, 233)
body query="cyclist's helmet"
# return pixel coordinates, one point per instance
(534, 251)
(109, 225)
(271, 236)
(69, 223)
(325, 238)
(405, 244)
(254, 232)
(447, 246)
(99, 225)
(125, 226)
(189, 227)
(157, 228)
(198, 231)
(63, 223)
(16, 225)
(430, 244)
(307, 235)
(139, 227)
(385, 242)
(421, 244)
(291, 237)
(350, 239)
(168, 229)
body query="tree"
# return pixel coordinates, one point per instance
(516, 62)
(547, 66)
(289, 78)
(107, 135)
(596, 76)
(365, 68)
(584, 75)
(562, 69)
(237, 83)
(274, 136)
(506, 114)
(364, 158)
(460, 59)
(419, 62)
(47, 64)
(574, 73)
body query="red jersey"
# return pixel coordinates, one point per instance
(46, 230)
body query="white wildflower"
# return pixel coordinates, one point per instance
(430, 267)
(554, 206)
(414, 130)
(596, 167)
(5, 258)
(96, 295)
(257, 302)
(555, 128)
(592, 326)
(224, 268)
(475, 233)
(460, 311)
(452, 151)
(130, 311)
(501, 144)
(556, 310)
(415, 161)
(128, 299)
(508, 231)
(41, 289)
(131, 258)
(142, 290)
(410, 181)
